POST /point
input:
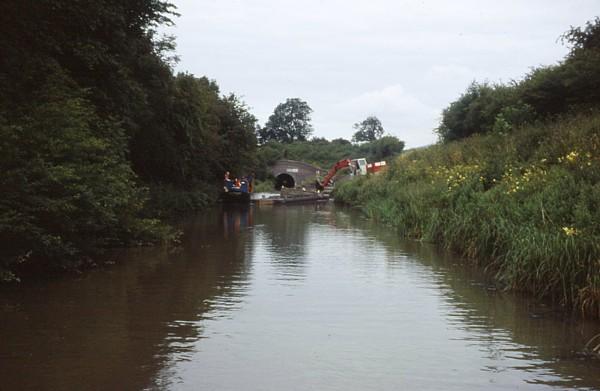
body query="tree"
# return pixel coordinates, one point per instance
(368, 130)
(571, 86)
(382, 148)
(237, 134)
(77, 80)
(583, 38)
(479, 108)
(67, 188)
(289, 122)
(199, 136)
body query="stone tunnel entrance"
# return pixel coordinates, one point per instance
(292, 173)
(284, 180)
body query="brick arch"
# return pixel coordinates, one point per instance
(299, 171)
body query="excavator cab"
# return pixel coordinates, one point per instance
(359, 166)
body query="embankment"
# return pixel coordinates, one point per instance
(525, 205)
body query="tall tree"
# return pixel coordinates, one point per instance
(89, 111)
(289, 122)
(200, 135)
(73, 88)
(368, 130)
(382, 148)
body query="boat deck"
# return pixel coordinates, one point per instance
(291, 196)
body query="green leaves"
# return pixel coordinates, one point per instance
(481, 109)
(68, 190)
(369, 129)
(289, 122)
(569, 87)
(587, 37)
(324, 154)
(382, 148)
(526, 205)
(193, 135)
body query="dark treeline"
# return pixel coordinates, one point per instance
(324, 153)
(92, 118)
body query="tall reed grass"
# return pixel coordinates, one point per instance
(525, 205)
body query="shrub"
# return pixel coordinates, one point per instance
(525, 205)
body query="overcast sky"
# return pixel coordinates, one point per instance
(402, 61)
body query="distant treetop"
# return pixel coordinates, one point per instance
(289, 122)
(368, 130)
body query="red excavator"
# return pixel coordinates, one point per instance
(358, 167)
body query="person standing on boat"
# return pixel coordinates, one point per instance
(318, 187)
(227, 184)
(250, 179)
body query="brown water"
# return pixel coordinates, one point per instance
(286, 298)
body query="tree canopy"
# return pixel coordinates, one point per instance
(369, 129)
(91, 117)
(289, 122)
(546, 92)
(323, 153)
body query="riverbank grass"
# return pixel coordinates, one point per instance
(525, 205)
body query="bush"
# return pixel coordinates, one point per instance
(168, 201)
(572, 86)
(67, 190)
(525, 205)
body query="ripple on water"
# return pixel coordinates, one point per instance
(289, 298)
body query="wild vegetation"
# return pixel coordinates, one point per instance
(324, 153)
(101, 143)
(285, 137)
(93, 123)
(289, 122)
(370, 129)
(514, 184)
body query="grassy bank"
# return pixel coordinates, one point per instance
(526, 205)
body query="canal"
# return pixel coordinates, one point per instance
(287, 298)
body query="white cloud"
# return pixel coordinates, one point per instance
(338, 54)
(389, 99)
(401, 113)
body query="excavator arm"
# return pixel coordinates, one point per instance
(333, 170)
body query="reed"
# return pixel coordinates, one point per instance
(525, 205)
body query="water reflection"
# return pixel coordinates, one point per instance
(237, 218)
(306, 297)
(511, 332)
(117, 328)
(283, 234)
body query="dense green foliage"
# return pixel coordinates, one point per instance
(323, 153)
(91, 117)
(66, 187)
(525, 205)
(370, 129)
(289, 122)
(195, 135)
(382, 148)
(484, 108)
(569, 87)
(520, 191)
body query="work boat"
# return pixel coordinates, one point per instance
(235, 194)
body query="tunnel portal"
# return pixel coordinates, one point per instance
(284, 180)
